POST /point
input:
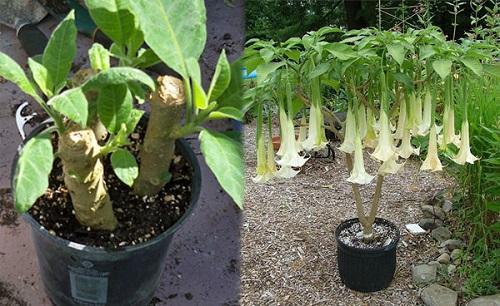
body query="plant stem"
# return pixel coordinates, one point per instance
(167, 104)
(357, 199)
(84, 178)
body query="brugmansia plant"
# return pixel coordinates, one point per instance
(94, 110)
(396, 85)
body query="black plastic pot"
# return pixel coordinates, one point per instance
(76, 274)
(366, 270)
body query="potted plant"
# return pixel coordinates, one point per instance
(104, 187)
(404, 78)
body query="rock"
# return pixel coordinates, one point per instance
(443, 250)
(435, 211)
(441, 234)
(434, 263)
(451, 269)
(437, 295)
(456, 254)
(447, 206)
(415, 229)
(430, 223)
(452, 244)
(490, 300)
(424, 274)
(444, 259)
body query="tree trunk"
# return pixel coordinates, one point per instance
(167, 105)
(84, 178)
(354, 19)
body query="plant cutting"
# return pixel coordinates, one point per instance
(396, 85)
(104, 186)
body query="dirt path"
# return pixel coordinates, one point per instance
(288, 245)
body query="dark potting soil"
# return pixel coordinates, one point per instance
(383, 235)
(140, 218)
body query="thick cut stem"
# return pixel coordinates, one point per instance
(167, 105)
(84, 178)
(357, 199)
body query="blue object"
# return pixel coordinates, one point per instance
(247, 76)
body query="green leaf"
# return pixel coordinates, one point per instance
(60, 52)
(426, 51)
(492, 69)
(266, 54)
(114, 105)
(193, 68)
(226, 112)
(133, 119)
(221, 78)
(224, 156)
(41, 77)
(72, 104)
(11, 71)
(175, 30)
(32, 171)
(264, 70)
(293, 54)
(147, 58)
(319, 70)
(125, 166)
(404, 79)
(442, 67)
(199, 96)
(473, 64)
(99, 57)
(118, 76)
(233, 96)
(113, 18)
(397, 52)
(341, 51)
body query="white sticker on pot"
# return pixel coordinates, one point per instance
(88, 286)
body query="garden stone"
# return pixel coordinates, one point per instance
(441, 234)
(430, 223)
(424, 274)
(451, 269)
(444, 258)
(443, 250)
(490, 300)
(452, 244)
(435, 211)
(447, 206)
(437, 295)
(434, 263)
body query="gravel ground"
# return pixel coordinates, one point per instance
(288, 246)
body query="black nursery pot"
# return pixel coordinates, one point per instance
(366, 270)
(76, 274)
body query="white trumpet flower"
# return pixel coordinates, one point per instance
(401, 120)
(385, 147)
(370, 140)
(390, 166)
(448, 135)
(358, 173)
(316, 139)
(362, 121)
(349, 132)
(432, 161)
(289, 154)
(464, 155)
(264, 171)
(286, 172)
(283, 123)
(405, 150)
(416, 113)
(424, 127)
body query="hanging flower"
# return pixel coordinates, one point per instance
(424, 127)
(263, 173)
(432, 161)
(405, 150)
(316, 139)
(385, 147)
(416, 112)
(401, 120)
(289, 154)
(362, 121)
(358, 173)
(448, 135)
(283, 123)
(286, 172)
(390, 166)
(370, 140)
(349, 132)
(464, 155)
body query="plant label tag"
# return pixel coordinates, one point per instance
(89, 286)
(415, 229)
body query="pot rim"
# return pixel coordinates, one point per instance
(186, 151)
(388, 247)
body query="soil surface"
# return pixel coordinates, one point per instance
(140, 218)
(383, 235)
(288, 254)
